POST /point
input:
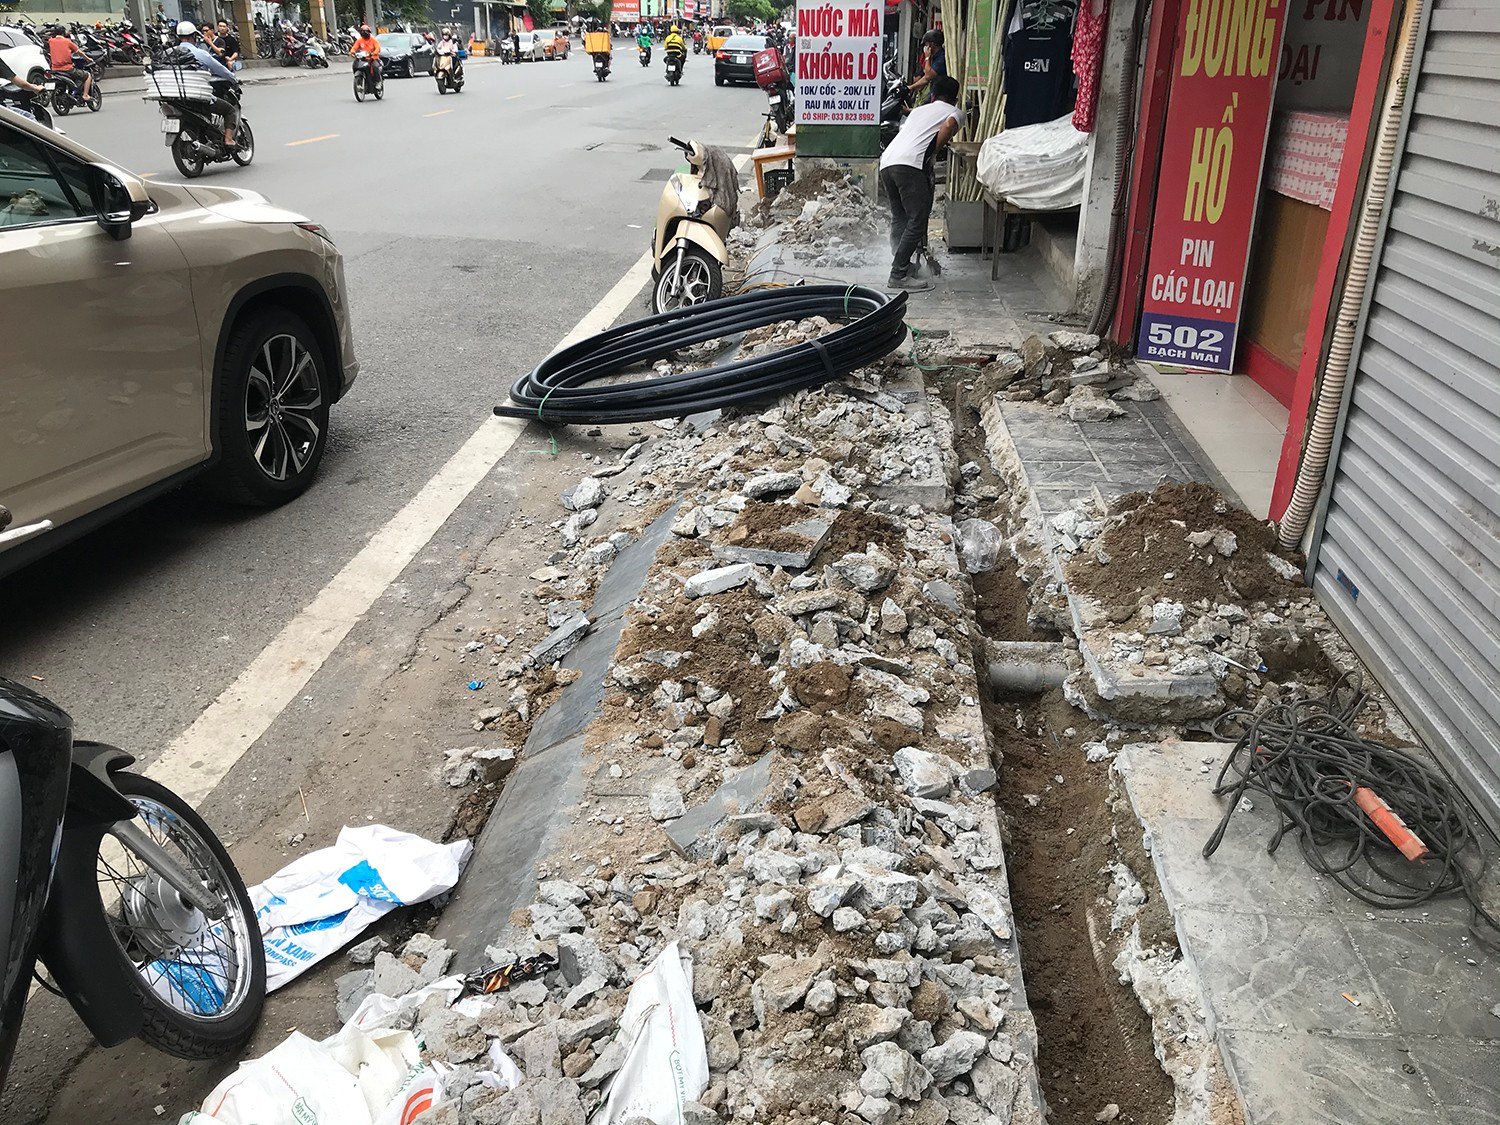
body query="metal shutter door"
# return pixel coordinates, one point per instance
(1413, 515)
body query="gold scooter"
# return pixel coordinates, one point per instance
(691, 226)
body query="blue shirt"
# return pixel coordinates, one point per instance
(209, 63)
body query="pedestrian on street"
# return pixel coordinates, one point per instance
(907, 182)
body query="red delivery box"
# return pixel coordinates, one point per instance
(770, 69)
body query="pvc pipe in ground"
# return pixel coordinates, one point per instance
(1027, 666)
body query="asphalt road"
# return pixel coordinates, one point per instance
(477, 229)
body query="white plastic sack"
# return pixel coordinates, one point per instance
(349, 1079)
(666, 1060)
(320, 902)
(375, 1009)
(1038, 167)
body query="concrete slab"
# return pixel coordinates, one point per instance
(1275, 948)
(527, 823)
(529, 819)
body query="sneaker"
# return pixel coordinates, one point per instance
(909, 284)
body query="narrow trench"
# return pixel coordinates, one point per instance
(1095, 1046)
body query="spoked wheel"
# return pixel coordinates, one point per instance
(695, 278)
(380, 87)
(246, 142)
(359, 87)
(201, 980)
(185, 156)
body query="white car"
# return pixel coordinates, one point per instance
(22, 55)
(531, 46)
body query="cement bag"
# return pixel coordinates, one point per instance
(322, 901)
(666, 1060)
(297, 1083)
(1038, 167)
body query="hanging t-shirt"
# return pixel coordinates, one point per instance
(1038, 64)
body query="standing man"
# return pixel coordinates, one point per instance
(904, 175)
(229, 47)
(934, 61)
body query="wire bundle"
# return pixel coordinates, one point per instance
(561, 388)
(1304, 755)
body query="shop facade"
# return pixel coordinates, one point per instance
(1346, 262)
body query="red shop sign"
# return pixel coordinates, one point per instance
(1224, 76)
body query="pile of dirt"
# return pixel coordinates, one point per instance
(1162, 543)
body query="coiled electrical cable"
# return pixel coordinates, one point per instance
(566, 387)
(1306, 757)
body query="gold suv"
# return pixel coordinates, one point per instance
(150, 333)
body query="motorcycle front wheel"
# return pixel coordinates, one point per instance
(359, 87)
(185, 156)
(698, 278)
(96, 99)
(246, 150)
(201, 982)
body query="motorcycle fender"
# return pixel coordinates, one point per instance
(93, 799)
(78, 949)
(76, 944)
(701, 234)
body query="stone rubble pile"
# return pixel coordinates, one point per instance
(829, 220)
(792, 783)
(1256, 632)
(1070, 370)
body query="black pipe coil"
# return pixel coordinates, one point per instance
(562, 387)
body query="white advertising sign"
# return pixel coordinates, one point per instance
(838, 62)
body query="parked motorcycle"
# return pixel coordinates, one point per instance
(192, 125)
(673, 67)
(774, 77)
(122, 891)
(314, 54)
(893, 105)
(369, 77)
(689, 247)
(448, 73)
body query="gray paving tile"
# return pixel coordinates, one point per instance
(1437, 979)
(1071, 450)
(1129, 452)
(1240, 876)
(1306, 1078)
(1465, 1077)
(1073, 474)
(1275, 972)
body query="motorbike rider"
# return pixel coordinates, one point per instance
(223, 79)
(366, 42)
(643, 42)
(60, 51)
(675, 44)
(10, 83)
(448, 45)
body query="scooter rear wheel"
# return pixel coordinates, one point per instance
(201, 983)
(186, 157)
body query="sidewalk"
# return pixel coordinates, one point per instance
(127, 80)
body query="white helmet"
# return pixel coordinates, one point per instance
(186, 29)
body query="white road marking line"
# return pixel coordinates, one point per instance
(201, 756)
